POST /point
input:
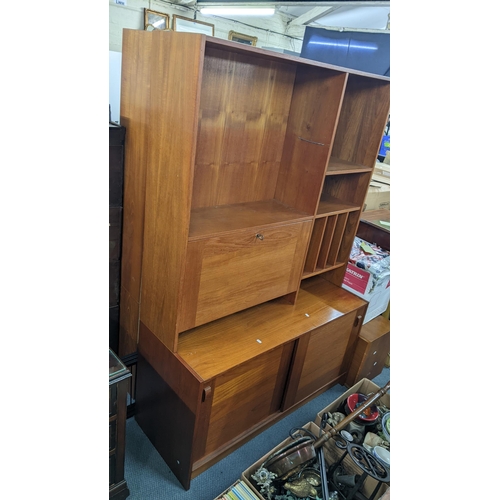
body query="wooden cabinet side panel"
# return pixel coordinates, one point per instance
(316, 100)
(173, 405)
(166, 420)
(171, 150)
(325, 353)
(171, 368)
(134, 109)
(247, 395)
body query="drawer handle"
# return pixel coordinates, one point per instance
(260, 236)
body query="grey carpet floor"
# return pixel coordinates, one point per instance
(149, 478)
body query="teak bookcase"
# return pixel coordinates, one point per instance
(245, 176)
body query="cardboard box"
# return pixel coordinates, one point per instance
(368, 276)
(247, 473)
(330, 457)
(361, 283)
(332, 453)
(382, 173)
(378, 196)
(364, 386)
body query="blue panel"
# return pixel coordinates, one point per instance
(369, 52)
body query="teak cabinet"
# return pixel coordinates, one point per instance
(245, 176)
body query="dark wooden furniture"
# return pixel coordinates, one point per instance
(246, 173)
(370, 353)
(116, 166)
(118, 387)
(371, 228)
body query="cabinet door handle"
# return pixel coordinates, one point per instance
(260, 236)
(206, 393)
(358, 319)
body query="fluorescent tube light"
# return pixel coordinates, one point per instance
(238, 11)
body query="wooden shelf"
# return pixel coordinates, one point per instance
(322, 270)
(331, 206)
(212, 221)
(336, 166)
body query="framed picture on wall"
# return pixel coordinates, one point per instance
(241, 38)
(156, 20)
(192, 25)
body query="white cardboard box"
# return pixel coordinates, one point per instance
(368, 276)
(361, 283)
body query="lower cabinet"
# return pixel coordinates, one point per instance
(232, 378)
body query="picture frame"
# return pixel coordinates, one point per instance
(185, 24)
(241, 38)
(154, 20)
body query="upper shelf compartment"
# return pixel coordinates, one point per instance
(265, 129)
(364, 114)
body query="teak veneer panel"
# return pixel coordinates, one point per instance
(237, 406)
(134, 109)
(227, 342)
(325, 349)
(244, 109)
(228, 218)
(173, 114)
(366, 101)
(225, 274)
(316, 100)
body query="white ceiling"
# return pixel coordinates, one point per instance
(372, 17)
(347, 14)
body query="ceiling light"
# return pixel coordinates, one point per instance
(238, 11)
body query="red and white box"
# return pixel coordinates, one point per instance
(368, 276)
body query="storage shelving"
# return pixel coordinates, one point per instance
(245, 177)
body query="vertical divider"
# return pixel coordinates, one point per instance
(337, 239)
(349, 232)
(327, 241)
(315, 244)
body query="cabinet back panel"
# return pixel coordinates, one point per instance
(362, 120)
(244, 109)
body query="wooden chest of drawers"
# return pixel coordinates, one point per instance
(118, 388)
(371, 350)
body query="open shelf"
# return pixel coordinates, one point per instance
(212, 221)
(344, 192)
(330, 205)
(336, 166)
